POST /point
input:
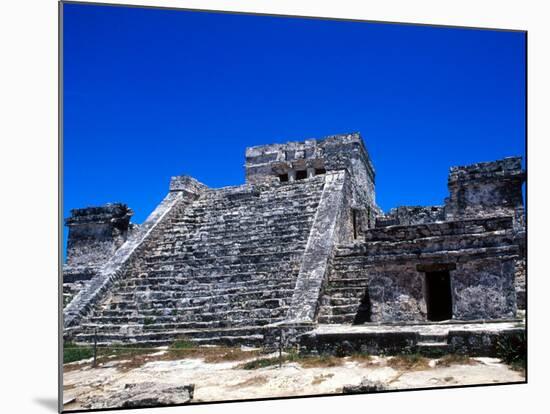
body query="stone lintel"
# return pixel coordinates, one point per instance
(436, 267)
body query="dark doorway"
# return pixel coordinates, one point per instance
(438, 296)
(283, 178)
(301, 174)
(354, 220)
(364, 312)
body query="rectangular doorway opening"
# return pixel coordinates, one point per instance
(363, 314)
(438, 296)
(354, 222)
(301, 175)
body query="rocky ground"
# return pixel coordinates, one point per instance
(164, 376)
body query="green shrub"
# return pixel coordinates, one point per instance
(512, 350)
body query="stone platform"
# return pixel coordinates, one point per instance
(474, 338)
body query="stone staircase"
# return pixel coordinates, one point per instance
(432, 344)
(343, 294)
(223, 268)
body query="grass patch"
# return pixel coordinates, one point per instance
(183, 343)
(323, 361)
(455, 359)
(409, 362)
(305, 361)
(184, 348)
(148, 320)
(134, 356)
(73, 353)
(364, 359)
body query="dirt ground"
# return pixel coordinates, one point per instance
(218, 380)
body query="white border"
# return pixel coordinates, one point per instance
(28, 210)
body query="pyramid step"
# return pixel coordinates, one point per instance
(230, 294)
(433, 337)
(239, 260)
(336, 319)
(345, 283)
(344, 309)
(432, 349)
(344, 301)
(287, 240)
(105, 324)
(186, 305)
(355, 291)
(195, 287)
(169, 315)
(240, 336)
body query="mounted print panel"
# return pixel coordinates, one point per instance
(230, 235)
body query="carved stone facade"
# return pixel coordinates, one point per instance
(95, 234)
(301, 243)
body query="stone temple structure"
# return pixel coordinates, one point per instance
(301, 244)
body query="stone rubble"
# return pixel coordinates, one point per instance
(141, 395)
(365, 386)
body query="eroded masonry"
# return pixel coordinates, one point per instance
(301, 245)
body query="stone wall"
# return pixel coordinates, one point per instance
(485, 189)
(404, 339)
(479, 254)
(311, 157)
(96, 232)
(410, 215)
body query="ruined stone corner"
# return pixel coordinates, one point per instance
(187, 185)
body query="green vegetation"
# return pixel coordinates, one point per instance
(183, 343)
(512, 350)
(306, 361)
(455, 359)
(409, 362)
(185, 348)
(72, 352)
(148, 320)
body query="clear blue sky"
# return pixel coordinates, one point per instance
(151, 93)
